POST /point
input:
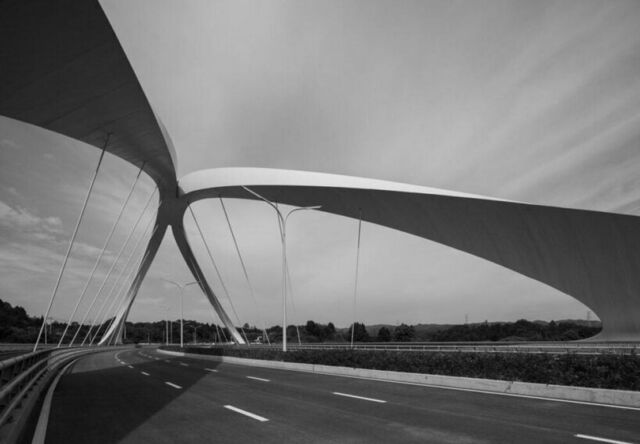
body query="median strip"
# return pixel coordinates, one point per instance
(171, 384)
(245, 413)
(258, 379)
(359, 397)
(595, 438)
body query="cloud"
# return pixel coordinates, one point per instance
(9, 144)
(21, 219)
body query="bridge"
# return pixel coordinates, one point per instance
(64, 70)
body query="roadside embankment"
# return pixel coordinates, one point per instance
(606, 379)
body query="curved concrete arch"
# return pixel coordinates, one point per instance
(170, 213)
(64, 70)
(589, 255)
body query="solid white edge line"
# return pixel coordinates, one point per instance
(595, 438)
(176, 386)
(145, 373)
(259, 379)
(360, 397)
(40, 433)
(244, 412)
(211, 370)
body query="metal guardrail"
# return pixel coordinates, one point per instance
(22, 379)
(450, 347)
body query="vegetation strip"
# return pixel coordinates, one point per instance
(607, 371)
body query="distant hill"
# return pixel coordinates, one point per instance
(522, 330)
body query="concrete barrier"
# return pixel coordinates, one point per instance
(624, 398)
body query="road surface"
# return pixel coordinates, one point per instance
(142, 396)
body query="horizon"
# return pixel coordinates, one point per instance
(530, 102)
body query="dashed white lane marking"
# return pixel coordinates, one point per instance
(595, 438)
(245, 413)
(487, 392)
(145, 373)
(258, 379)
(211, 370)
(171, 384)
(167, 361)
(359, 397)
(157, 359)
(184, 365)
(130, 366)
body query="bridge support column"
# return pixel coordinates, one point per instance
(113, 335)
(183, 244)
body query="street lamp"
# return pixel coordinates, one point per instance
(195, 328)
(166, 325)
(181, 287)
(282, 224)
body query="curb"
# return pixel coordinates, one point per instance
(614, 398)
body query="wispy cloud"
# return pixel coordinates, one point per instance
(25, 221)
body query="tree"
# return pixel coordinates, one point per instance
(330, 331)
(404, 333)
(359, 333)
(384, 335)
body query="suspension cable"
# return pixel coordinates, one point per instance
(73, 238)
(200, 280)
(119, 282)
(120, 305)
(104, 248)
(121, 297)
(215, 266)
(244, 268)
(121, 294)
(104, 282)
(355, 286)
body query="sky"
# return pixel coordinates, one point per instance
(529, 101)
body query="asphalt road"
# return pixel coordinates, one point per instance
(141, 396)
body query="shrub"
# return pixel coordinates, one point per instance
(601, 371)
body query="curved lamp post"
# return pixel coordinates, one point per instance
(181, 287)
(282, 224)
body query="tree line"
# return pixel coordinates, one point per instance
(17, 326)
